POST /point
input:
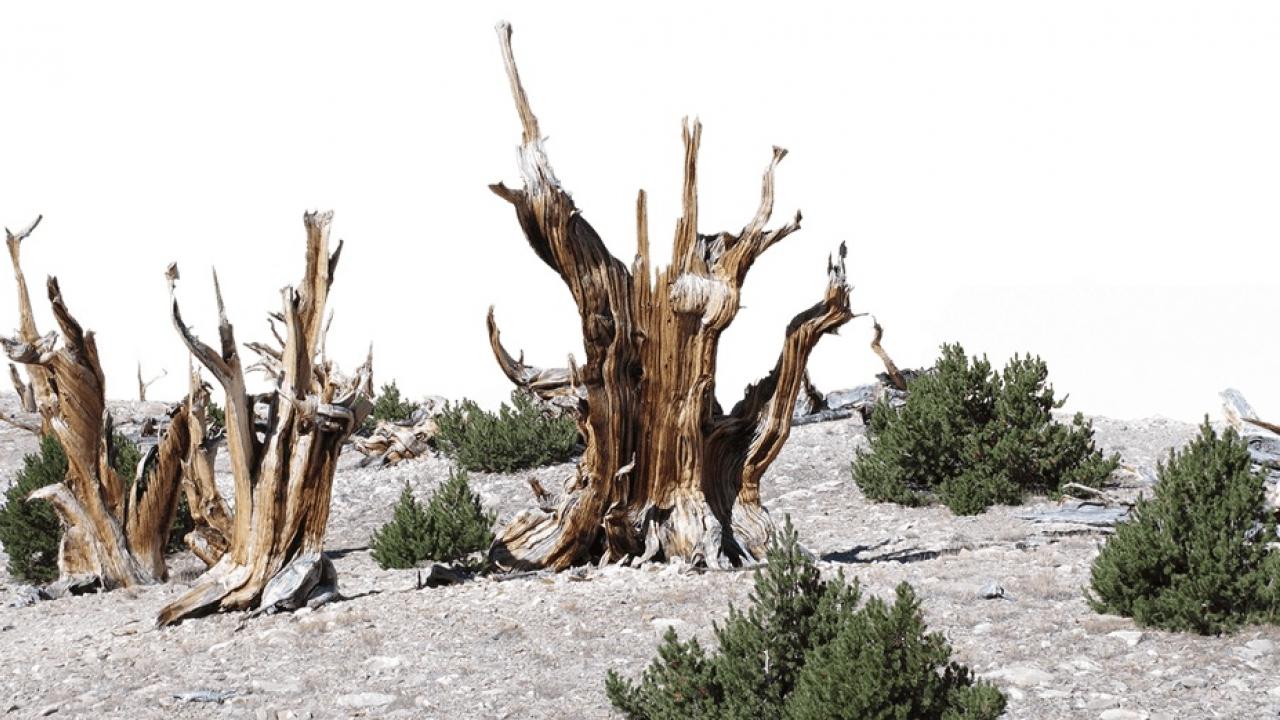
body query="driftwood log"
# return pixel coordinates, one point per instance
(391, 443)
(114, 534)
(666, 473)
(283, 472)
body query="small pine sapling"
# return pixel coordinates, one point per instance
(452, 525)
(1195, 556)
(516, 437)
(804, 650)
(972, 437)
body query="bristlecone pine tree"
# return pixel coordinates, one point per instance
(1198, 555)
(666, 473)
(114, 532)
(283, 468)
(452, 525)
(804, 649)
(976, 437)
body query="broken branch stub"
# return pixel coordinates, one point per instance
(666, 473)
(282, 471)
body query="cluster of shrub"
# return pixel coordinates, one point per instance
(1195, 556)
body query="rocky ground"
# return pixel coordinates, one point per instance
(539, 646)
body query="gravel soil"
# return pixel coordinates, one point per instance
(538, 646)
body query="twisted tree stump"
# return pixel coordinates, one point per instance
(283, 470)
(113, 535)
(666, 473)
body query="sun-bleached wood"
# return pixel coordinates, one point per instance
(113, 535)
(282, 468)
(41, 389)
(890, 367)
(666, 472)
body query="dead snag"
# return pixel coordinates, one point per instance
(211, 519)
(26, 391)
(143, 385)
(666, 472)
(282, 469)
(41, 384)
(890, 367)
(113, 535)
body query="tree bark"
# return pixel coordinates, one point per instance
(666, 473)
(113, 536)
(26, 391)
(283, 477)
(41, 383)
(143, 385)
(890, 367)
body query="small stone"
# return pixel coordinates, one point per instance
(1023, 675)
(48, 710)
(982, 628)
(365, 700)
(1122, 714)
(1257, 648)
(1053, 694)
(1130, 637)
(661, 625)
(383, 662)
(1101, 701)
(24, 596)
(991, 591)
(1191, 681)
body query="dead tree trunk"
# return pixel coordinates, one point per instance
(211, 519)
(113, 536)
(143, 385)
(284, 473)
(26, 391)
(41, 388)
(890, 367)
(666, 473)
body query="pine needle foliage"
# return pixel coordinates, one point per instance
(390, 407)
(805, 650)
(30, 530)
(1194, 556)
(450, 526)
(971, 437)
(516, 437)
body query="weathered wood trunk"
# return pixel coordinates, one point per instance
(113, 535)
(211, 519)
(144, 384)
(26, 391)
(666, 473)
(40, 386)
(283, 471)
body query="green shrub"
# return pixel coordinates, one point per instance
(1194, 556)
(971, 438)
(452, 525)
(804, 650)
(389, 406)
(215, 416)
(518, 436)
(30, 530)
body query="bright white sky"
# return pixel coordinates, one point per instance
(1095, 182)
